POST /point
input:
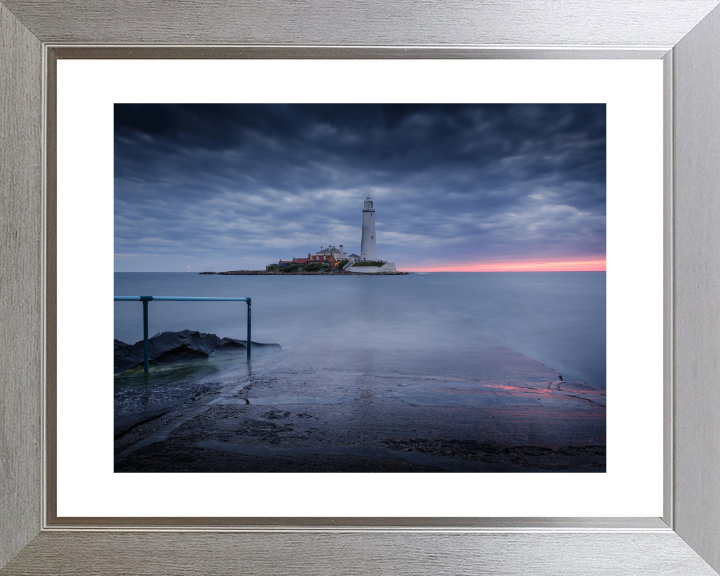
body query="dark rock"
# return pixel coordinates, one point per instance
(127, 355)
(168, 347)
(229, 344)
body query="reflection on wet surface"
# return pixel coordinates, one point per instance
(480, 407)
(518, 389)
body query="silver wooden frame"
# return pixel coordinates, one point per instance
(684, 33)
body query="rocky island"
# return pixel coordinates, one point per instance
(302, 272)
(332, 260)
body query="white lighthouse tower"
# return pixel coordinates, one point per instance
(368, 250)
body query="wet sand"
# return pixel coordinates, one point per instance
(480, 407)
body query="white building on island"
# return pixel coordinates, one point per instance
(337, 253)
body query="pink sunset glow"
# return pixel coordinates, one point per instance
(541, 266)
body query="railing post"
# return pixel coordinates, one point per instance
(146, 344)
(146, 299)
(249, 342)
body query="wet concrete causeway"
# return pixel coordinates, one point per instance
(480, 408)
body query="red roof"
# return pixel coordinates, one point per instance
(321, 258)
(300, 260)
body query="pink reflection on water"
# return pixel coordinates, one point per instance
(519, 389)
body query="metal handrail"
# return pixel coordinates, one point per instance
(146, 299)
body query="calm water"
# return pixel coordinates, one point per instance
(557, 318)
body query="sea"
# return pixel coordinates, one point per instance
(556, 318)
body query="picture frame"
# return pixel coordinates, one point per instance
(685, 34)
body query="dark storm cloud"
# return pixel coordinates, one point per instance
(245, 185)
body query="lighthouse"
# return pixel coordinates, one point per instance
(368, 251)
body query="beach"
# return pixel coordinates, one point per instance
(374, 377)
(507, 413)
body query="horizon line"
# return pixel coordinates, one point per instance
(598, 265)
(557, 266)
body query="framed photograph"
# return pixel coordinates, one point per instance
(362, 318)
(471, 267)
(420, 378)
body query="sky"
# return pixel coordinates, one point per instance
(478, 187)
